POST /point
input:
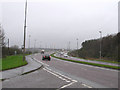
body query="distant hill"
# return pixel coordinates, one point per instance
(91, 48)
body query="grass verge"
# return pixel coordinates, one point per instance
(100, 60)
(11, 62)
(94, 64)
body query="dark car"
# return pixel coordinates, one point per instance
(48, 57)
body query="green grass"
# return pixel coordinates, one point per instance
(11, 62)
(94, 64)
(115, 62)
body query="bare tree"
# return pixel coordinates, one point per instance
(15, 46)
(2, 37)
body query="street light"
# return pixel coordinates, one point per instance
(77, 43)
(8, 46)
(24, 31)
(40, 44)
(34, 45)
(69, 45)
(100, 43)
(29, 43)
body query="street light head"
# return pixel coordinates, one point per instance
(100, 31)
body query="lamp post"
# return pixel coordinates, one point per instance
(69, 45)
(29, 44)
(40, 44)
(77, 43)
(8, 46)
(24, 31)
(34, 46)
(100, 43)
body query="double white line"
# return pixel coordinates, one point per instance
(62, 77)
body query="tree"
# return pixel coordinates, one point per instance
(110, 48)
(2, 37)
(15, 47)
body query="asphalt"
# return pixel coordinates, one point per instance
(37, 79)
(94, 76)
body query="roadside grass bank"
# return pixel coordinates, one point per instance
(94, 64)
(92, 59)
(11, 62)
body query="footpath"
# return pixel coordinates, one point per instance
(31, 66)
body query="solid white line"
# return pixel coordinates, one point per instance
(60, 74)
(86, 86)
(67, 85)
(41, 62)
(56, 75)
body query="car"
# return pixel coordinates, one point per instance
(42, 51)
(46, 57)
(65, 55)
(61, 53)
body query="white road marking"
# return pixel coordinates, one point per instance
(56, 75)
(60, 74)
(64, 78)
(67, 85)
(86, 86)
(41, 62)
(74, 80)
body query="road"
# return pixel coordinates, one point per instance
(63, 74)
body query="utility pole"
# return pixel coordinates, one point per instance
(24, 31)
(34, 45)
(29, 42)
(40, 45)
(8, 46)
(69, 45)
(100, 44)
(77, 43)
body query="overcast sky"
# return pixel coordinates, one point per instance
(53, 23)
